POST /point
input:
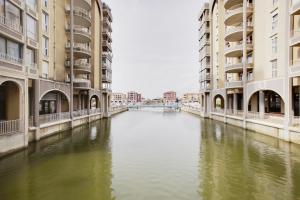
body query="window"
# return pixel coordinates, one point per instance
(31, 4)
(274, 22)
(45, 46)
(2, 46)
(13, 49)
(274, 69)
(46, 3)
(10, 48)
(45, 22)
(2, 8)
(275, 2)
(274, 45)
(45, 69)
(12, 13)
(30, 57)
(31, 28)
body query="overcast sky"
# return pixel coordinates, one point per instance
(155, 46)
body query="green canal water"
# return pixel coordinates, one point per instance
(152, 155)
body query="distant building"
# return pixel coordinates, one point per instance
(169, 97)
(119, 99)
(191, 97)
(134, 97)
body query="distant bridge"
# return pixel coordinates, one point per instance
(174, 106)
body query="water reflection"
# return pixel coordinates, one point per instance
(71, 165)
(236, 164)
(154, 155)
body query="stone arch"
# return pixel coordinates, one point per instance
(54, 101)
(273, 102)
(94, 102)
(219, 101)
(10, 100)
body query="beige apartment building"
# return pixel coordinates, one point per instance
(55, 67)
(249, 65)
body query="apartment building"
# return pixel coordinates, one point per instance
(253, 69)
(119, 99)
(190, 98)
(51, 72)
(169, 97)
(134, 97)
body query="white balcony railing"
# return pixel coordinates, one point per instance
(10, 127)
(79, 113)
(10, 58)
(14, 26)
(48, 118)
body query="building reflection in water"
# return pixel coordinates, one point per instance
(236, 164)
(71, 165)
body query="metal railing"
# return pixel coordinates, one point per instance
(14, 26)
(43, 119)
(10, 58)
(79, 113)
(10, 127)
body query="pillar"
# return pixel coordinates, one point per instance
(58, 104)
(261, 104)
(235, 102)
(36, 122)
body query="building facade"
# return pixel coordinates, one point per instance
(190, 98)
(119, 99)
(51, 76)
(169, 97)
(134, 97)
(253, 69)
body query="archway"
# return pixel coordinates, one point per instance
(266, 101)
(9, 101)
(218, 102)
(54, 102)
(94, 102)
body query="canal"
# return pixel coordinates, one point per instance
(153, 155)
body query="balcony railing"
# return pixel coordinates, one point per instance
(234, 84)
(49, 118)
(95, 111)
(79, 47)
(14, 26)
(10, 127)
(82, 13)
(10, 58)
(234, 112)
(79, 113)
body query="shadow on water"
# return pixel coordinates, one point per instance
(77, 161)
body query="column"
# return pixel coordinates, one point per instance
(235, 102)
(58, 104)
(88, 102)
(261, 104)
(36, 90)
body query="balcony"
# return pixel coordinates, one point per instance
(11, 29)
(237, 67)
(107, 13)
(107, 55)
(236, 50)
(203, 30)
(235, 33)
(81, 35)
(295, 37)
(107, 44)
(230, 3)
(106, 78)
(84, 4)
(11, 62)
(82, 67)
(82, 17)
(234, 84)
(295, 7)
(294, 67)
(79, 50)
(107, 24)
(235, 16)
(106, 66)
(81, 84)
